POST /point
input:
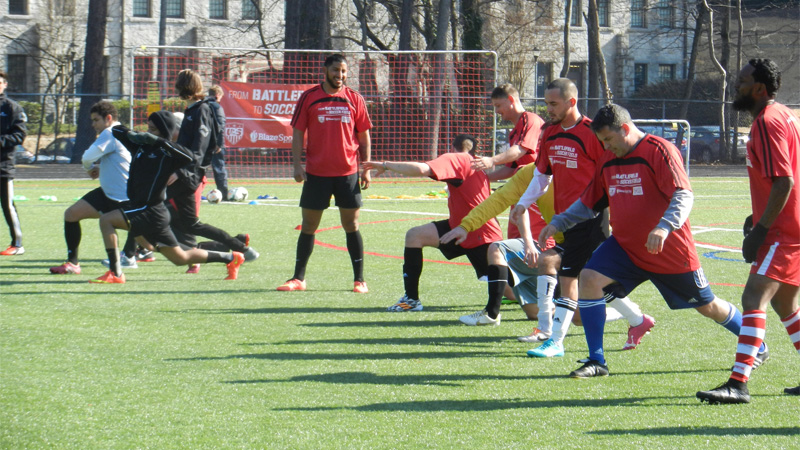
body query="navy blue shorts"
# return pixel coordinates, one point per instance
(317, 192)
(680, 290)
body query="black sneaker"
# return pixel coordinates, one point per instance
(792, 391)
(590, 369)
(731, 392)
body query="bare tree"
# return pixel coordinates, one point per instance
(598, 79)
(567, 23)
(442, 25)
(92, 75)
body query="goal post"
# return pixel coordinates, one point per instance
(418, 101)
(677, 131)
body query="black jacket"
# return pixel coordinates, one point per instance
(197, 134)
(12, 133)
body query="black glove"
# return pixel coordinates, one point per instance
(753, 241)
(142, 138)
(748, 225)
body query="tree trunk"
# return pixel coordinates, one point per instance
(717, 64)
(307, 27)
(567, 22)
(597, 61)
(725, 58)
(438, 74)
(702, 16)
(92, 75)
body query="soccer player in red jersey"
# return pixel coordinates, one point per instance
(467, 189)
(772, 246)
(640, 178)
(334, 118)
(568, 155)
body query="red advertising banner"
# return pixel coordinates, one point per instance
(258, 114)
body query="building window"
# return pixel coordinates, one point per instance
(217, 9)
(666, 72)
(141, 8)
(18, 7)
(638, 14)
(639, 76)
(250, 9)
(602, 12)
(576, 12)
(17, 66)
(174, 8)
(666, 14)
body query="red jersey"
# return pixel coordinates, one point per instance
(637, 189)
(332, 123)
(526, 135)
(571, 157)
(467, 189)
(774, 151)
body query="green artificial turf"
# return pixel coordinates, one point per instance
(170, 360)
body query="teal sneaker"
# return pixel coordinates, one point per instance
(549, 349)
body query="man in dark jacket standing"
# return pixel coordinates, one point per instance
(12, 133)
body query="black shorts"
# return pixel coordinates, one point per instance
(477, 256)
(152, 222)
(579, 243)
(317, 192)
(98, 200)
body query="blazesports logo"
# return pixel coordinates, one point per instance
(256, 136)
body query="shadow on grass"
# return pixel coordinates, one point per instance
(440, 340)
(385, 323)
(484, 405)
(312, 310)
(389, 380)
(350, 356)
(704, 431)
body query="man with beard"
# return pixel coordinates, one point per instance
(772, 245)
(336, 121)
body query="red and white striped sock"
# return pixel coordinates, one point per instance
(751, 335)
(792, 324)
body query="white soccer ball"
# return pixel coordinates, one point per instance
(238, 194)
(214, 196)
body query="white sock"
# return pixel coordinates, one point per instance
(565, 309)
(545, 286)
(612, 315)
(629, 310)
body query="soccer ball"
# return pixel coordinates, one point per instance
(238, 194)
(214, 196)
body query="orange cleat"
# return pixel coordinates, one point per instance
(66, 268)
(193, 268)
(233, 266)
(109, 278)
(360, 287)
(13, 250)
(293, 285)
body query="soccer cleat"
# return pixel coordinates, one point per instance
(360, 287)
(761, 357)
(66, 268)
(730, 392)
(479, 318)
(635, 334)
(590, 369)
(792, 391)
(293, 285)
(127, 263)
(536, 336)
(233, 266)
(109, 278)
(549, 349)
(12, 250)
(193, 269)
(405, 304)
(143, 255)
(250, 254)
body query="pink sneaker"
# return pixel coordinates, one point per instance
(635, 334)
(66, 268)
(193, 268)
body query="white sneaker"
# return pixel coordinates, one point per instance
(127, 263)
(479, 318)
(250, 254)
(536, 336)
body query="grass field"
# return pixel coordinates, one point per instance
(170, 360)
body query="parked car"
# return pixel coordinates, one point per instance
(706, 144)
(59, 151)
(501, 140)
(670, 133)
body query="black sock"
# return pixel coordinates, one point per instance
(497, 284)
(214, 257)
(412, 270)
(355, 246)
(113, 261)
(130, 246)
(72, 234)
(305, 246)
